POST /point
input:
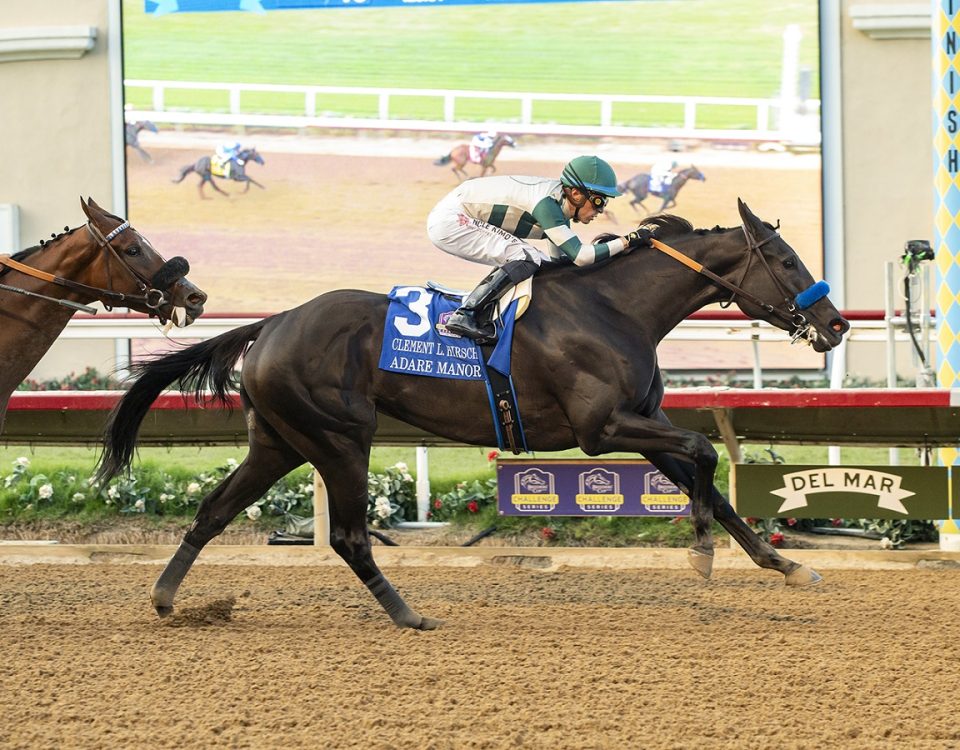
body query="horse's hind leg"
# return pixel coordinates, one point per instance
(268, 460)
(346, 479)
(215, 186)
(681, 474)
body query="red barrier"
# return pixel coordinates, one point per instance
(867, 416)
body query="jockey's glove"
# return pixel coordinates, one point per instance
(639, 237)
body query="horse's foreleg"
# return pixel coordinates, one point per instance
(764, 555)
(656, 437)
(760, 551)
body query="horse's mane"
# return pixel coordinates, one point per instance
(26, 253)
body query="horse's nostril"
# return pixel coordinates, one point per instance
(840, 325)
(197, 298)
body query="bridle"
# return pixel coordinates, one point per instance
(790, 309)
(149, 296)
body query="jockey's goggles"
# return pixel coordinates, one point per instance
(599, 202)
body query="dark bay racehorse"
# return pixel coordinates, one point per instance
(131, 135)
(459, 156)
(238, 171)
(585, 365)
(106, 260)
(639, 185)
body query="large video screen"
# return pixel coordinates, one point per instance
(354, 109)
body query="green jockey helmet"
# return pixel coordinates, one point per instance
(591, 174)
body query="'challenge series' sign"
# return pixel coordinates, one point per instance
(769, 490)
(578, 487)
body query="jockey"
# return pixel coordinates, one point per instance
(226, 153)
(662, 174)
(481, 144)
(490, 220)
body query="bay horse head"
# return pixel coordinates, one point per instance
(779, 289)
(121, 268)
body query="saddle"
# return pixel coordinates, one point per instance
(221, 168)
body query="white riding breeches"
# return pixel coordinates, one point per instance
(453, 231)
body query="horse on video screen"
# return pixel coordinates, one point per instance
(106, 260)
(131, 135)
(238, 171)
(639, 186)
(584, 365)
(459, 157)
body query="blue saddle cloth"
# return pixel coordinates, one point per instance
(416, 341)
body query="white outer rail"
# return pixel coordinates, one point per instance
(523, 124)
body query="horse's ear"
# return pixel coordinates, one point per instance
(86, 207)
(751, 224)
(747, 216)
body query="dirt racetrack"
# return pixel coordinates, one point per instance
(301, 657)
(351, 213)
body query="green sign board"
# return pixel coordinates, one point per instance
(800, 491)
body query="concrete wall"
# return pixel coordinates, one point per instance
(55, 132)
(887, 151)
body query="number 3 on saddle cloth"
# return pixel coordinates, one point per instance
(416, 342)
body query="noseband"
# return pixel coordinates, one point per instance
(149, 296)
(790, 313)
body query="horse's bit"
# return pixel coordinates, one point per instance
(802, 328)
(150, 297)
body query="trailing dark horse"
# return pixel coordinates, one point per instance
(106, 260)
(639, 185)
(585, 365)
(459, 156)
(238, 171)
(131, 134)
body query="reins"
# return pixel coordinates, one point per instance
(791, 315)
(150, 297)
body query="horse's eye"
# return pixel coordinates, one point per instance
(789, 264)
(133, 250)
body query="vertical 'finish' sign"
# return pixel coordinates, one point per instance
(946, 166)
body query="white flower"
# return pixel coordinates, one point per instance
(382, 507)
(22, 461)
(45, 491)
(140, 506)
(886, 543)
(113, 493)
(401, 467)
(407, 478)
(78, 497)
(254, 512)
(164, 497)
(193, 488)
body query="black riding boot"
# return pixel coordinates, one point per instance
(464, 320)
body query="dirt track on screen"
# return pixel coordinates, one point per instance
(259, 657)
(329, 221)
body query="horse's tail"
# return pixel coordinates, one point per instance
(201, 368)
(184, 171)
(442, 160)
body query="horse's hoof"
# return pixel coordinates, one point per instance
(803, 576)
(429, 623)
(702, 562)
(163, 611)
